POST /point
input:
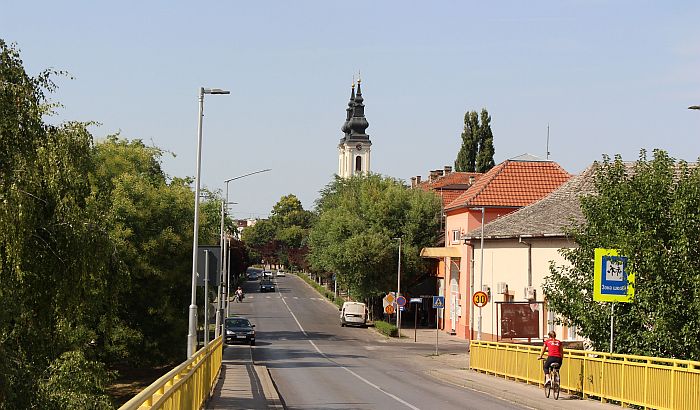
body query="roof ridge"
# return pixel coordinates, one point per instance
(495, 174)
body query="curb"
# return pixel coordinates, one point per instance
(268, 386)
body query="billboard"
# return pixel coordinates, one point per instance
(520, 320)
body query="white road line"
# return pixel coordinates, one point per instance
(407, 404)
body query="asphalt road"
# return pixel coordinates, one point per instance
(316, 364)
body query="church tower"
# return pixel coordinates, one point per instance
(354, 147)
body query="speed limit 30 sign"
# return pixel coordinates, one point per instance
(480, 299)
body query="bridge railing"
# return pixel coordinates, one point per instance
(651, 382)
(187, 386)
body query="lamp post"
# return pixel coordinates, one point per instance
(694, 107)
(192, 328)
(398, 289)
(481, 275)
(225, 268)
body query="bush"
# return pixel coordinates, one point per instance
(320, 289)
(386, 328)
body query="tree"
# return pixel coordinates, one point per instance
(650, 212)
(477, 150)
(55, 261)
(358, 219)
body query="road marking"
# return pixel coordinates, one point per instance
(407, 404)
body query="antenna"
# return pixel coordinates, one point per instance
(547, 140)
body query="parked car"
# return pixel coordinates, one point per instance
(239, 329)
(353, 314)
(281, 273)
(267, 285)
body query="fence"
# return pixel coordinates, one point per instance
(187, 386)
(650, 382)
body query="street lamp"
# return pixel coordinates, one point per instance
(481, 275)
(227, 274)
(398, 289)
(694, 107)
(192, 328)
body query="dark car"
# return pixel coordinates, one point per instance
(267, 285)
(239, 329)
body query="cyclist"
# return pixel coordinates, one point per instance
(239, 295)
(555, 353)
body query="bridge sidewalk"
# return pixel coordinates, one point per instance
(242, 384)
(452, 367)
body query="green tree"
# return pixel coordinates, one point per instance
(55, 261)
(484, 159)
(477, 150)
(650, 212)
(358, 219)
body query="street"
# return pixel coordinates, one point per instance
(316, 364)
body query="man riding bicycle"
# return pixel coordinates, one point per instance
(555, 353)
(238, 296)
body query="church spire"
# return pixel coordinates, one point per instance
(358, 122)
(349, 112)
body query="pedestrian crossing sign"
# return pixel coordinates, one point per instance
(438, 302)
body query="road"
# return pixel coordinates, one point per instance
(316, 364)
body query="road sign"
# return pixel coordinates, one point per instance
(480, 299)
(416, 300)
(438, 302)
(389, 309)
(401, 301)
(389, 298)
(611, 280)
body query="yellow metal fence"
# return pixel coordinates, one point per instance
(187, 386)
(650, 382)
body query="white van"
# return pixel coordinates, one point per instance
(353, 314)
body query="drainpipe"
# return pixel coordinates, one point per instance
(529, 259)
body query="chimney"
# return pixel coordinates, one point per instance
(448, 169)
(413, 182)
(418, 179)
(433, 175)
(471, 179)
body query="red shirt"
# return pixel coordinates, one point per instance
(553, 347)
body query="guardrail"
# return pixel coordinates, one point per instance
(650, 382)
(187, 386)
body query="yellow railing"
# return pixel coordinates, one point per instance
(187, 386)
(650, 382)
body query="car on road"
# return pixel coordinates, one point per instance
(239, 329)
(267, 285)
(267, 274)
(281, 273)
(253, 275)
(353, 314)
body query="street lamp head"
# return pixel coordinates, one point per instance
(694, 107)
(215, 91)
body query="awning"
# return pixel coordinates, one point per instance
(443, 252)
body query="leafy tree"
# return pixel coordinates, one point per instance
(477, 150)
(484, 159)
(358, 219)
(55, 261)
(650, 212)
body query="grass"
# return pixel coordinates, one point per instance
(338, 301)
(386, 328)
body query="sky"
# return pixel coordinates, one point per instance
(607, 77)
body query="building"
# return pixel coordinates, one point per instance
(507, 187)
(355, 147)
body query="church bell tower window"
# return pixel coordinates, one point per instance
(358, 164)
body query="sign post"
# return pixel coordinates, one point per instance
(480, 299)
(415, 319)
(612, 282)
(438, 303)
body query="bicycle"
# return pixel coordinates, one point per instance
(554, 383)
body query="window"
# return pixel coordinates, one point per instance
(358, 164)
(456, 236)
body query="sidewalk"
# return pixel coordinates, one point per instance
(242, 384)
(452, 367)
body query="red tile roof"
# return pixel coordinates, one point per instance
(450, 186)
(513, 183)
